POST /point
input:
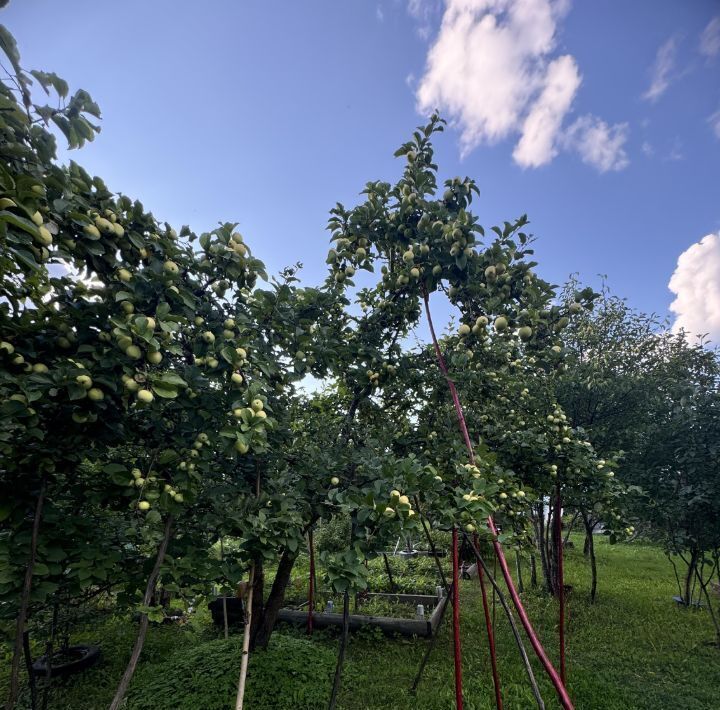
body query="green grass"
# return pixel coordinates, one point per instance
(632, 649)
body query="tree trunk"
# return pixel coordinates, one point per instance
(25, 601)
(276, 599)
(258, 600)
(689, 577)
(590, 542)
(518, 567)
(533, 571)
(586, 545)
(456, 623)
(144, 622)
(389, 572)
(341, 651)
(542, 549)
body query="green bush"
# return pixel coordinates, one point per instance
(333, 535)
(292, 673)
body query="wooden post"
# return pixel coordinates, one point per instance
(311, 585)
(240, 698)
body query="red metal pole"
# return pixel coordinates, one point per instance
(490, 633)
(560, 579)
(311, 587)
(522, 614)
(456, 622)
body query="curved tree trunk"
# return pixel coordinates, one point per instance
(25, 601)
(341, 652)
(590, 542)
(275, 600)
(144, 622)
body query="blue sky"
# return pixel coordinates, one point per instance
(600, 120)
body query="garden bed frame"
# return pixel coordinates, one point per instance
(387, 624)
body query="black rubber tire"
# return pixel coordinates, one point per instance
(87, 656)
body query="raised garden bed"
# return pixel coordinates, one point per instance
(387, 624)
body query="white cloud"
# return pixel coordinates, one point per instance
(423, 11)
(379, 13)
(710, 38)
(662, 70)
(714, 122)
(537, 145)
(493, 69)
(647, 149)
(597, 143)
(696, 285)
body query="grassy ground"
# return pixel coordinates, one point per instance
(632, 649)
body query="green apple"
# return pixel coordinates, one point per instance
(238, 412)
(124, 275)
(229, 323)
(241, 447)
(150, 325)
(334, 480)
(464, 329)
(128, 307)
(40, 369)
(257, 405)
(84, 381)
(241, 353)
(525, 332)
(212, 363)
(44, 238)
(7, 348)
(143, 505)
(79, 417)
(140, 482)
(145, 396)
(96, 394)
(171, 268)
(199, 320)
(501, 324)
(208, 336)
(136, 473)
(154, 357)
(91, 231)
(575, 307)
(470, 528)
(178, 497)
(261, 414)
(389, 513)
(133, 352)
(236, 378)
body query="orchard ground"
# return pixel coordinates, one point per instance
(632, 649)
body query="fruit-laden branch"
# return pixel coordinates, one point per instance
(534, 641)
(25, 601)
(144, 621)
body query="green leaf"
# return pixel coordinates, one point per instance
(164, 390)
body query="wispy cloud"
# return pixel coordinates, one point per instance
(599, 144)
(495, 69)
(710, 38)
(662, 69)
(379, 13)
(714, 122)
(696, 285)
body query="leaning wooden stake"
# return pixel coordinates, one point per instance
(529, 630)
(224, 595)
(456, 622)
(513, 626)
(433, 639)
(489, 626)
(144, 621)
(246, 640)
